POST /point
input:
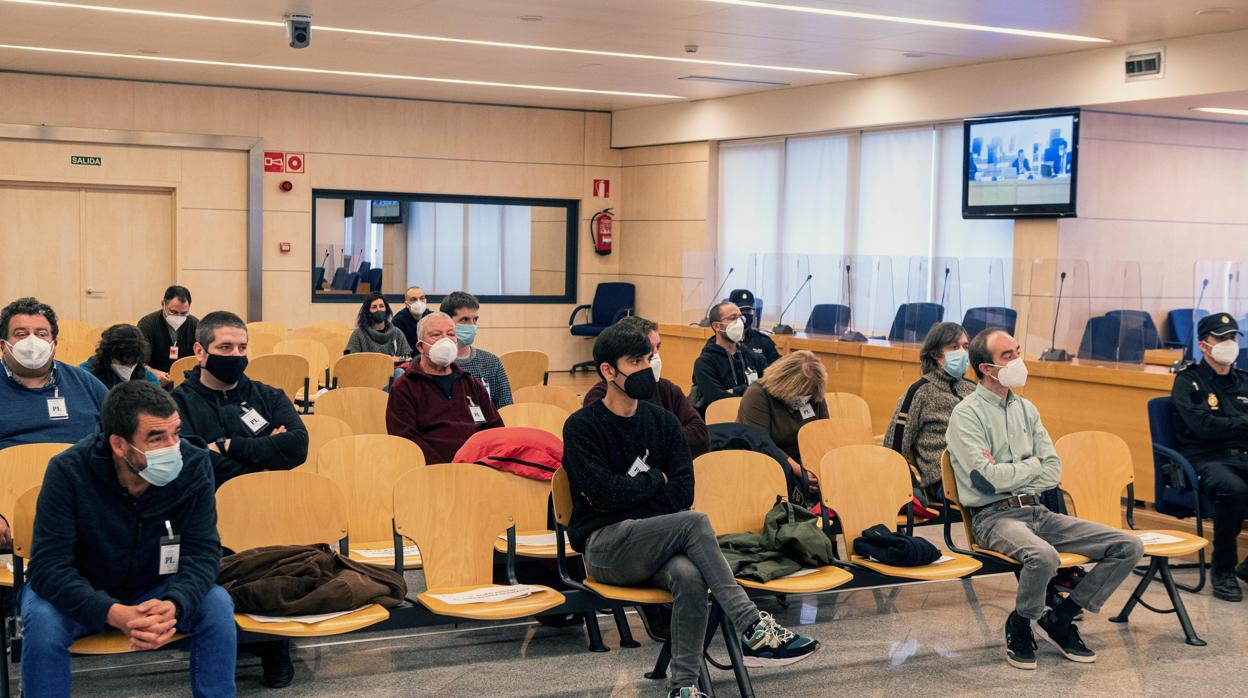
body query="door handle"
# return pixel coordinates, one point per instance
(92, 292)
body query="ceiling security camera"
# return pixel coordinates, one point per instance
(298, 29)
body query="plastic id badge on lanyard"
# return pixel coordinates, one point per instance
(57, 409)
(477, 415)
(170, 551)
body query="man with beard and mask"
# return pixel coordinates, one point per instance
(754, 340)
(248, 426)
(725, 368)
(415, 306)
(1003, 459)
(436, 404)
(631, 478)
(1210, 401)
(41, 399)
(127, 540)
(170, 332)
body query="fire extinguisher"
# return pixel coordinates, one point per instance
(600, 231)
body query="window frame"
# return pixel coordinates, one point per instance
(571, 253)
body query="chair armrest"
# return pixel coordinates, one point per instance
(1131, 505)
(561, 561)
(947, 515)
(511, 556)
(621, 314)
(1188, 471)
(577, 309)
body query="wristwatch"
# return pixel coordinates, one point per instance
(221, 445)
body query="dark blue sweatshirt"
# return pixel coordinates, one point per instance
(95, 545)
(24, 411)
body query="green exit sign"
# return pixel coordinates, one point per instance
(92, 160)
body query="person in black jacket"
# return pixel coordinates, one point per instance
(631, 479)
(415, 306)
(248, 426)
(1210, 400)
(754, 339)
(725, 368)
(107, 510)
(170, 331)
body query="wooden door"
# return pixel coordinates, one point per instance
(127, 262)
(39, 239)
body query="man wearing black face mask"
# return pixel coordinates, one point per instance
(631, 478)
(757, 342)
(248, 426)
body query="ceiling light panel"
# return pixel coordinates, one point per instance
(1222, 110)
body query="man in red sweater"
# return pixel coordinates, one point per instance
(667, 394)
(434, 403)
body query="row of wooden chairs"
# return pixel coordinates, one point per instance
(840, 406)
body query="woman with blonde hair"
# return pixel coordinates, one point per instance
(789, 395)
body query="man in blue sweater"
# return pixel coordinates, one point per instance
(41, 399)
(127, 538)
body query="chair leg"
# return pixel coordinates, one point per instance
(1176, 600)
(594, 632)
(659, 672)
(626, 633)
(1136, 595)
(732, 641)
(4, 644)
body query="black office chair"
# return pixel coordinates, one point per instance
(612, 301)
(828, 318)
(913, 320)
(374, 280)
(977, 320)
(340, 279)
(318, 277)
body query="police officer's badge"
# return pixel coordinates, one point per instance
(1213, 401)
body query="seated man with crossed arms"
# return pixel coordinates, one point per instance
(1002, 460)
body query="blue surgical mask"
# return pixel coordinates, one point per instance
(163, 464)
(955, 362)
(466, 334)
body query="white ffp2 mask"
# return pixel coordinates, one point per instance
(1225, 353)
(31, 351)
(735, 330)
(443, 351)
(1013, 374)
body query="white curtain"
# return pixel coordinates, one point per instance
(750, 179)
(489, 243)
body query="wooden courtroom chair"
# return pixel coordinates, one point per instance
(363, 409)
(865, 485)
(366, 467)
(261, 343)
(363, 370)
(322, 429)
(815, 439)
(736, 489)
(525, 368)
(550, 394)
(536, 415)
(23, 529)
(1096, 470)
(288, 507)
(335, 342)
(317, 356)
(530, 510)
(330, 325)
(723, 410)
(177, 372)
(286, 372)
(454, 512)
(275, 329)
(21, 468)
(848, 406)
(75, 341)
(950, 486)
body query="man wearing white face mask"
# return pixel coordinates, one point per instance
(1003, 460)
(127, 540)
(415, 306)
(436, 404)
(1210, 400)
(170, 331)
(725, 368)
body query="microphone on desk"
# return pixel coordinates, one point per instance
(706, 317)
(850, 334)
(944, 287)
(781, 328)
(1053, 353)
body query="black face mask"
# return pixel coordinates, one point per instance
(227, 369)
(748, 320)
(640, 385)
(377, 316)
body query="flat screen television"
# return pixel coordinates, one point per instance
(1021, 165)
(385, 211)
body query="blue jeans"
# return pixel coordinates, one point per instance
(47, 634)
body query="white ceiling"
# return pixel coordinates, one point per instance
(661, 27)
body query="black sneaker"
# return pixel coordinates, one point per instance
(279, 671)
(1069, 577)
(1053, 597)
(1065, 637)
(1020, 644)
(1242, 571)
(1226, 588)
(766, 643)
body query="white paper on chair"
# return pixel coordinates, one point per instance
(307, 620)
(800, 573)
(1154, 538)
(942, 559)
(377, 553)
(488, 594)
(539, 539)
(7, 558)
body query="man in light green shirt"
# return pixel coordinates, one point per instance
(1002, 460)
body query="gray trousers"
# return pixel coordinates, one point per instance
(1033, 535)
(679, 553)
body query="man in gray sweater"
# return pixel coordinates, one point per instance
(464, 310)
